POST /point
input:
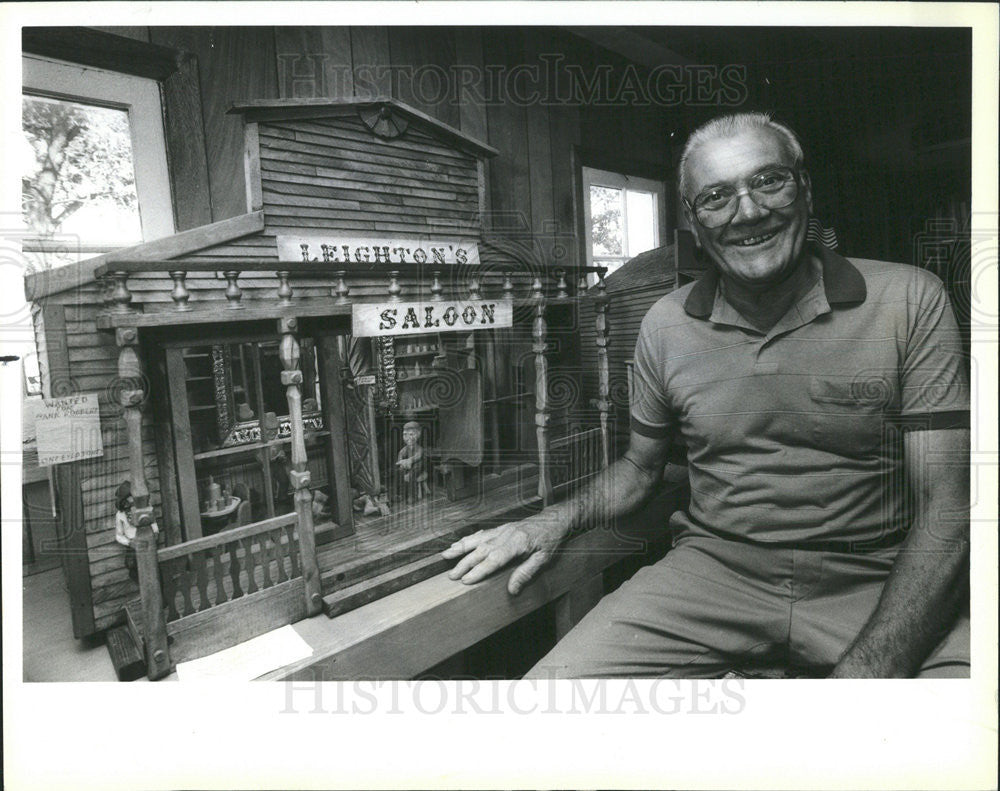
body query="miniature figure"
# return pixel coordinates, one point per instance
(411, 475)
(125, 527)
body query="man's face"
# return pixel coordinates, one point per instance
(757, 246)
(410, 436)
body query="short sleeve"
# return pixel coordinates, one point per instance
(934, 380)
(650, 412)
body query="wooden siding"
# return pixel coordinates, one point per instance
(334, 174)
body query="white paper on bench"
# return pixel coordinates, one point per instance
(248, 660)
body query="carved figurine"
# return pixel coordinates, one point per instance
(125, 527)
(411, 465)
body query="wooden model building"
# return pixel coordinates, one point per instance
(257, 377)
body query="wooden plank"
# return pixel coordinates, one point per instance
(370, 62)
(314, 62)
(235, 63)
(187, 481)
(469, 53)
(351, 135)
(411, 630)
(251, 167)
(510, 194)
(539, 149)
(163, 432)
(234, 622)
(335, 416)
(56, 360)
(73, 546)
(421, 59)
(211, 314)
(376, 587)
(101, 50)
(350, 155)
(225, 537)
(472, 112)
(41, 284)
(564, 136)
(125, 655)
(185, 137)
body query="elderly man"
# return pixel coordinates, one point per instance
(824, 405)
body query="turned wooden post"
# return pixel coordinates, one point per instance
(180, 294)
(233, 291)
(291, 378)
(131, 392)
(562, 287)
(121, 297)
(508, 286)
(342, 290)
(474, 287)
(539, 335)
(394, 289)
(284, 287)
(603, 402)
(436, 288)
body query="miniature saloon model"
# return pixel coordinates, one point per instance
(311, 400)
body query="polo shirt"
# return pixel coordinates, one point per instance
(794, 435)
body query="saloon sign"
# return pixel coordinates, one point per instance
(350, 251)
(415, 318)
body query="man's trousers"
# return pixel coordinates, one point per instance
(713, 605)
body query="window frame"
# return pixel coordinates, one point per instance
(140, 97)
(592, 176)
(186, 459)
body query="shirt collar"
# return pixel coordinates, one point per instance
(842, 282)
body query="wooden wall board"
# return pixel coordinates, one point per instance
(370, 62)
(510, 190)
(187, 159)
(314, 62)
(543, 223)
(421, 59)
(72, 540)
(235, 64)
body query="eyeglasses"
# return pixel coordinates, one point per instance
(774, 188)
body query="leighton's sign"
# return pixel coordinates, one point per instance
(414, 318)
(352, 250)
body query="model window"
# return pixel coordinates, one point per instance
(235, 450)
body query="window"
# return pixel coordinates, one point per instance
(95, 171)
(234, 451)
(624, 216)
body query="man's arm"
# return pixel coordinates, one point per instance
(620, 489)
(918, 603)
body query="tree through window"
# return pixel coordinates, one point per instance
(79, 177)
(624, 216)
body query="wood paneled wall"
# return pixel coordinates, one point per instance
(444, 72)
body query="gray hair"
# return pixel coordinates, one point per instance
(729, 126)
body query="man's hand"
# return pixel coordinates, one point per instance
(490, 550)
(616, 491)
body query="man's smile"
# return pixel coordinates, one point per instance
(755, 240)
